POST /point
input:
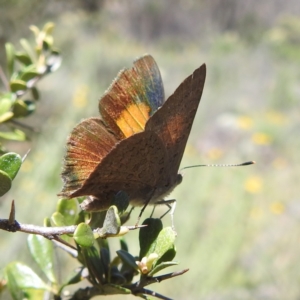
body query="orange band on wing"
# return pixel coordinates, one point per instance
(133, 119)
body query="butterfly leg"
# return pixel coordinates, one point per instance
(143, 208)
(171, 204)
(153, 209)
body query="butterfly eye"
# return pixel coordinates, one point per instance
(179, 178)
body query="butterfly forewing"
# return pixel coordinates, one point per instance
(132, 98)
(174, 120)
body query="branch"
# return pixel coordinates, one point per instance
(138, 287)
(50, 233)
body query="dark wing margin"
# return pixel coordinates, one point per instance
(174, 120)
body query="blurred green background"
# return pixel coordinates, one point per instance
(238, 228)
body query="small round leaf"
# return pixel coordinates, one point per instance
(10, 163)
(83, 235)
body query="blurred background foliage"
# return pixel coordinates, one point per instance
(238, 228)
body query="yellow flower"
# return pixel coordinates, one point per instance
(261, 138)
(80, 96)
(277, 208)
(214, 153)
(245, 122)
(253, 185)
(276, 118)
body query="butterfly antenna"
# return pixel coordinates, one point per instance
(247, 163)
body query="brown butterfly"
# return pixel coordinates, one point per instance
(137, 144)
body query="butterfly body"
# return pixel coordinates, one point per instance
(137, 144)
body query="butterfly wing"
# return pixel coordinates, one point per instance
(83, 153)
(132, 98)
(133, 166)
(174, 120)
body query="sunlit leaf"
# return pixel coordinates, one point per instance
(6, 117)
(29, 75)
(10, 53)
(68, 208)
(111, 225)
(28, 49)
(23, 58)
(48, 28)
(58, 219)
(10, 163)
(162, 266)
(5, 105)
(41, 250)
(15, 135)
(83, 235)
(23, 277)
(17, 85)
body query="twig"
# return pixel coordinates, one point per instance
(138, 287)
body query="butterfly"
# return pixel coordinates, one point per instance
(137, 144)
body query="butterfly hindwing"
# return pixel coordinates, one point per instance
(132, 166)
(83, 153)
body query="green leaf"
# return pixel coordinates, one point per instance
(148, 236)
(58, 219)
(128, 259)
(35, 30)
(164, 242)
(23, 58)
(48, 28)
(113, 289)
(5, 105)
(6, 117)
(83, 235)
(35, 93)
(123, 244)
(17, 85)
(20, 277)
(94, 264)
(112, 223)
(29, 75)
(5, 183)
(15, 135)
(68, 208)
(10, 163)
(162, 266)
(27, 47)
(23, 108)
(10, 56)
(41, 250)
